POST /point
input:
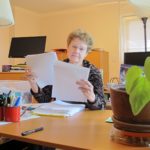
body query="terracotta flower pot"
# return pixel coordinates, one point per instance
(122, 114)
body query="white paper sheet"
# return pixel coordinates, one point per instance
(65, 76)
(42, 66)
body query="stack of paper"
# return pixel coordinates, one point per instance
(58, 108)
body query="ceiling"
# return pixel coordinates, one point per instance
(46, 6)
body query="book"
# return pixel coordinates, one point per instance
(17, 70)
(58, 108)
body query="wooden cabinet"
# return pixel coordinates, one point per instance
(101, 60)
(97, 57)
(61, 53)
(12, 76)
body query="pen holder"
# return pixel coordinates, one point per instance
(12, 114)
(1, 113)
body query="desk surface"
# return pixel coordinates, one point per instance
(85, 130)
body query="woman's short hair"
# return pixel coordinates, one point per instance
(83, 36)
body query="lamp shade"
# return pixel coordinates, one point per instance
(142, 7)
(6, 15)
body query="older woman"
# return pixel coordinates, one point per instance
(79, 44)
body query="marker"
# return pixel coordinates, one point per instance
(18, 101)
(32, 131)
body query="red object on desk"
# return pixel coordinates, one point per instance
(12, 114)
(1, 113)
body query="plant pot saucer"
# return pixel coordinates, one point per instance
(131, 127)
(130, 138)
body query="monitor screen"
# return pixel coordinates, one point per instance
(135, 58)
(123, 70)
(22, 46)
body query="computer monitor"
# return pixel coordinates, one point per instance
(123, 70)
(22, 46)
(135, 58)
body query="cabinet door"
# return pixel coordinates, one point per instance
(101, 60)
(61, 53)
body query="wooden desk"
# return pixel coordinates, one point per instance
(85, 130)
(12, 76)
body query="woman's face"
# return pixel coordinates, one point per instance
(77, 51)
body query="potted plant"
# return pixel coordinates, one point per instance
(131, 103)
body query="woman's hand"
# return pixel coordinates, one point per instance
(87, 88)
(30, 76)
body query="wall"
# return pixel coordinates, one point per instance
(27, 23)
(4, 45)
(102, 21)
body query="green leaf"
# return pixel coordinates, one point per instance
(138, 86)
(147, 68)
(132, 75)
(140, 95)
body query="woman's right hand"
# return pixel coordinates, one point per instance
(30, 76)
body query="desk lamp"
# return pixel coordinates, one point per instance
(135, 134)
(6, 15)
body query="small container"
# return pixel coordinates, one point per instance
(6, 68)
(12, 114)
(1, 113)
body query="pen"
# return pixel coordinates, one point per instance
(18, 101)
(8, 93)
(32, 131)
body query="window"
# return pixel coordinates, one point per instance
(132, 35)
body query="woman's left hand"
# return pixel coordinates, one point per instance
(87, 88)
